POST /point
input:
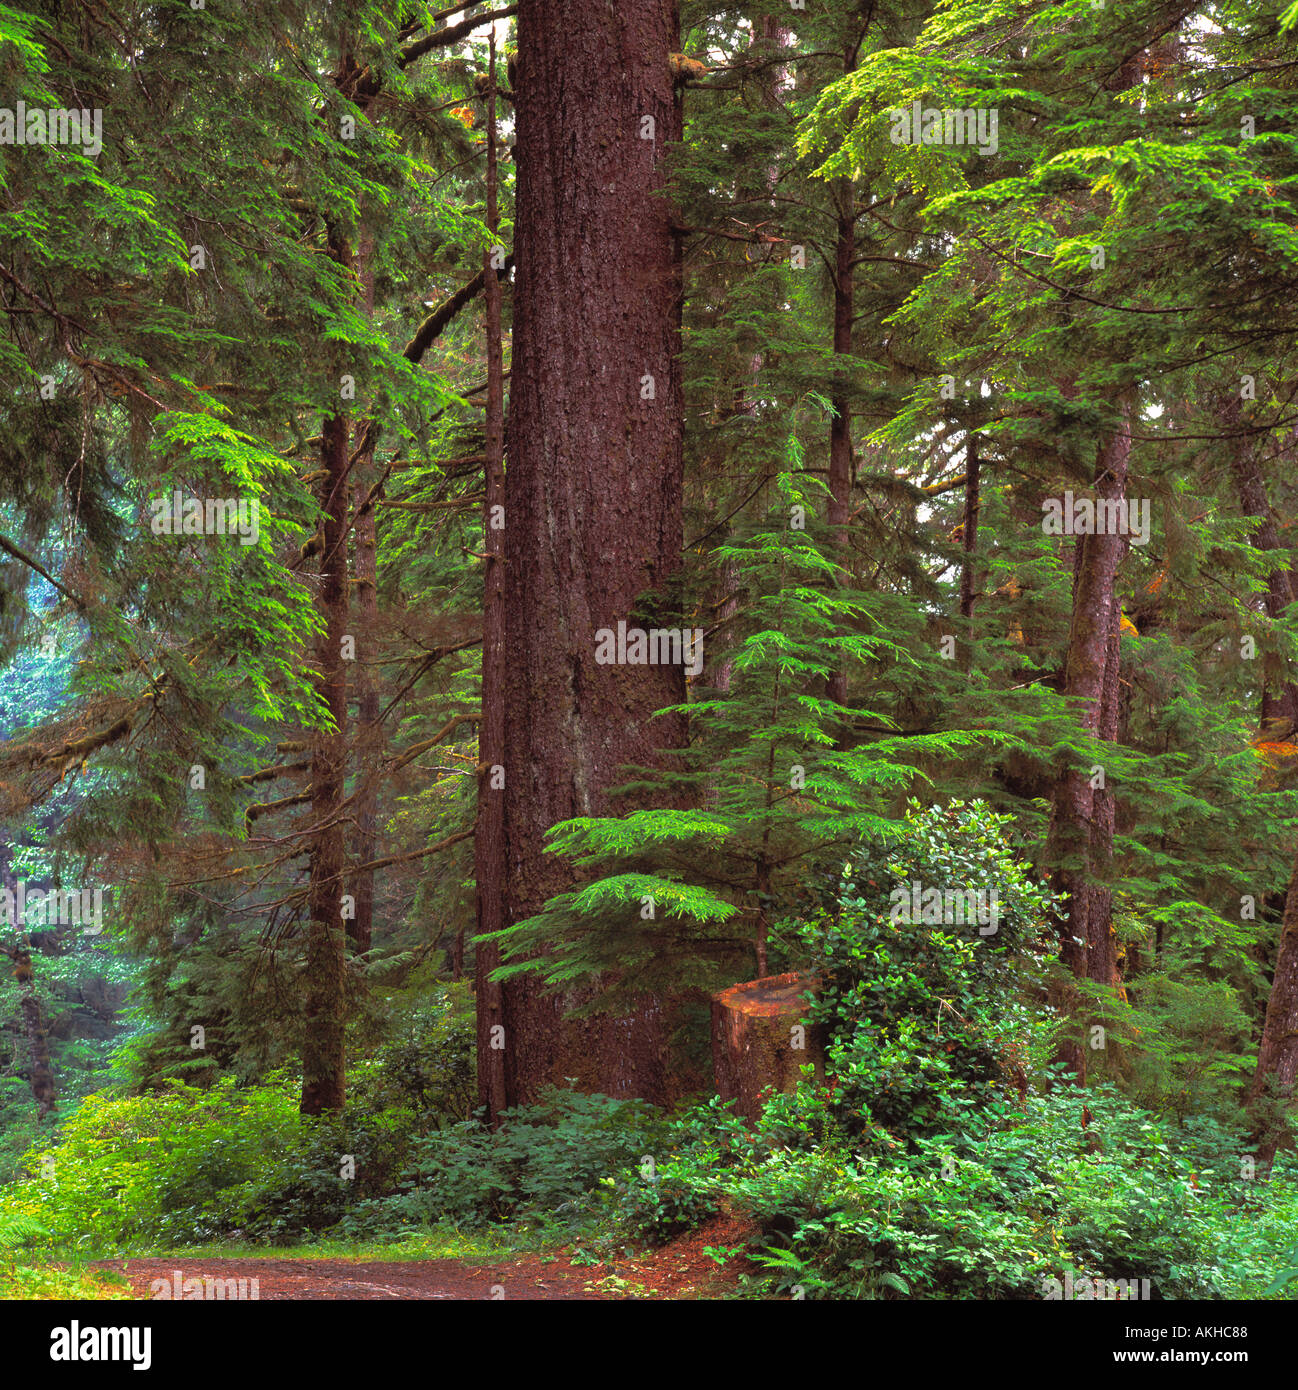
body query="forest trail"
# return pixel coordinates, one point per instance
(311, 1280)
(680, 1269)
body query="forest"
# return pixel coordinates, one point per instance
(649, 652)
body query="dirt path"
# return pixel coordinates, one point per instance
(346, 1279)
(680, 1269)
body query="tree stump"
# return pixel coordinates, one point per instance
(759, 1041)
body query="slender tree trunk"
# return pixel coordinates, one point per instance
(769, 36)
(1279, 702)
(840, 429)
(969, 542)
(593, 489)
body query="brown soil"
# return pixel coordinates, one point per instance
(679, 1270)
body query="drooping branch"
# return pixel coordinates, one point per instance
(79, 749)
(11, 549)
(414, 853)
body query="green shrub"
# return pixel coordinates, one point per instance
(919, 1015)
(181, 1164)
(931, 1165)
(542, 1166)
(427, 1062)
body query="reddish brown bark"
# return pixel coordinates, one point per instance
(323, 1055)
(1101, 943)
(593, 489)
(368, 747)
(40, 1074)
(489, 857)
(1081, 831)
(1277, 1058)
(840, 429)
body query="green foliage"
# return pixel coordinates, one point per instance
(923, 1017)
(181, 1165)
(188, 1165)
(783, 790)
(1015, 1199)
(541, 1168)
(427, 1062)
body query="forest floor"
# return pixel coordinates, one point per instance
(679, 1270)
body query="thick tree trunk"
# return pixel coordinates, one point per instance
(1079, 836)
(369, 732)
(1271, 1094)
(41, 1073)
(593, 489)
(489, 857)
(323, 1055)
(368, 745)
(760, 1042)
(1082, 816)
(1101, 944)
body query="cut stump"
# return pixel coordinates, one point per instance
(759, 1040)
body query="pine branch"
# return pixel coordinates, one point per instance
(451, 34)
(11, 549)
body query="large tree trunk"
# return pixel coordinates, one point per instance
(1271, 1092)
(489, 858)
(1101, 944)
(593, 489)
(41, 1073)
(368, 745)
(323, 1055)
(1277, 1058)
(1081, 831)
